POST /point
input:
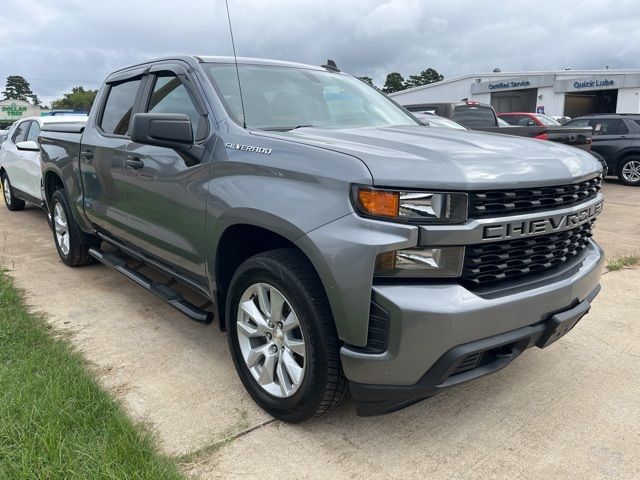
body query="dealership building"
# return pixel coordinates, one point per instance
(567, 92)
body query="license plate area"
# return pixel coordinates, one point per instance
(561, 323)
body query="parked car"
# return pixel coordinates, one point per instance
(616, 136)
(524, 119)
(20, 170)
(482, 117)
(343, 244)
(433, 120)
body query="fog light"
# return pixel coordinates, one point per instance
(421, 262)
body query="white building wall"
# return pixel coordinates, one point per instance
(448, 92)
(628, 100)
(553, 102)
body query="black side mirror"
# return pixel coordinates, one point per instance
(170, 130)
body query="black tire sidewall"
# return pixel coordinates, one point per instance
(16, 204)
(305, 401)
(622, 164)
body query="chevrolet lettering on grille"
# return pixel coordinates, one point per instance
(540, 226)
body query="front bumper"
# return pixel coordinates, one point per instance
(435, 327)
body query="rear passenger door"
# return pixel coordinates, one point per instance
(103, 152)
(610, 135)
(166, 197)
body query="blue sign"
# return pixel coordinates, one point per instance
(540, 109)
(594, 84)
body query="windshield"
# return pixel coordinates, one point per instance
(283, 98)
(547, 120)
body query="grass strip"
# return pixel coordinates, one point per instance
(55, 421)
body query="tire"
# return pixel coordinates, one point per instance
(603, 162)
(322, 385)
(13, 204)
(629, 171)
(71, 242)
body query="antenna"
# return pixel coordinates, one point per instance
(235, 59)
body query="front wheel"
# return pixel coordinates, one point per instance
(630, 171)
(11, 201)
(282, 336)
(71, 242)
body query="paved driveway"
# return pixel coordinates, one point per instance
(571, 411)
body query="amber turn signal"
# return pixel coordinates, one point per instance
(379, 202)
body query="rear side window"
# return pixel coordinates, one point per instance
(34, 131)
(170, 96)
(21, 132)
(613, 126)
(474, 117)
(117, 111)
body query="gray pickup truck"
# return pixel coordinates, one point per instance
(342, 245)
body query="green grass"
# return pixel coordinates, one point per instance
(55, 421)
(619, 263)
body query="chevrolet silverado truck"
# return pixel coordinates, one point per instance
(343, 245)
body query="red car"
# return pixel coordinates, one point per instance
(525, 119)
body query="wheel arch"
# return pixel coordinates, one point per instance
(240, 241)
(629, 152)
(51, 182)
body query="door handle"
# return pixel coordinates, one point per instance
(134, 163)
(86, 155)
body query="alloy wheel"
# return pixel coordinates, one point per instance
(631, 171)
(7, 190)
(61, 228)
(271, 340)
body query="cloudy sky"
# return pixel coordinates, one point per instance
(57, 44)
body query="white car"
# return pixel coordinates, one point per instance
(20, 160)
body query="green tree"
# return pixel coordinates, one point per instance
(368, 80)
(424, 78)
(394, 83)
(77, 99)
(17, 88)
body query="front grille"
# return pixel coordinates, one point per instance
(494, 262)
(467, 363)
(525, 200)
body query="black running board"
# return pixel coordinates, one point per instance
(172, 297)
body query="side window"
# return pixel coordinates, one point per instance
(613, 126)
(510, 119)
(117, 110)
(34, 131)
(578, 123)
(21, 132)
(170, 96)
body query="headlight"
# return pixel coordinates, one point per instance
(411, 206)
(421, 262)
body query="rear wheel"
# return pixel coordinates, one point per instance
(629, 173)
(11, 201)
(71, 242)
(282, 336)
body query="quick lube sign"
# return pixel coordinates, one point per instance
(591, 84)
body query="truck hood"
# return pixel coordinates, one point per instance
(441, 158)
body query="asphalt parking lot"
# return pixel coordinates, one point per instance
(571, 411)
